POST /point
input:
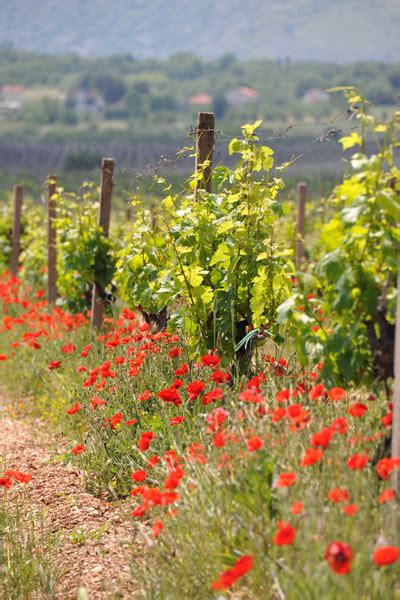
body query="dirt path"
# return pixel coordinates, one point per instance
(94, 538)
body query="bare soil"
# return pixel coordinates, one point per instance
(94, 539)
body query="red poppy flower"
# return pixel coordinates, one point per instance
(74, 409)
(282, 395)
(311, 456)
(254, 443)
(176, 421)
(139, 475)
(174, 479)
(256, 381)
(340, 425)
(242, 566)
(357, 461)
(387, 420)
(167, 498)
(285, 480)
(285, 535)
(217, 418)
(318, 391)
(96, 401)
(79, 449)
(251, 395)
(153, 461)
(387, 555)
(183, 369)
(145, 396)
(339, 557)
(294, 410)
(175, 352)
(386, 495)
(157, 528)
(210, 360)
(337, 393)
(212, 396)
(145, 440)
(128, 314)
(68, 348)
(5, 482)
(385, 467)
(339, 495)
(351, 509)
(220, 439)
(357, 409)
(116, 420)
(322, 438)
(18, 475)
(170, 395)
(170, 458)
(278, 414)
(297, 508)
(139, 511)
(219, 377)
(54, 364)
(194, 389)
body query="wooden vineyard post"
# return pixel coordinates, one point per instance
(106, 186)
(51, 241)
(16, 233)
(204, 148)
(301, 209)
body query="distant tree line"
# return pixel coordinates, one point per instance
(150, 95)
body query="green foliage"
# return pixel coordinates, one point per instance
(348, 321)
(33, 257)
(6, 226)
(212, 258)
(32, 239)
(44, 111)
(81, 161)
(112, 88)
(84, 254)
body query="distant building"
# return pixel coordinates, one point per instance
(315, 95)
(11, 97)
(85, 101)
(200, 100)
(241, 95)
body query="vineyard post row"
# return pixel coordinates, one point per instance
(205, 138)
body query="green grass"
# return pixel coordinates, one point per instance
(26, 553)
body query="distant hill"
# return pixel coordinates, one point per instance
(317, 30)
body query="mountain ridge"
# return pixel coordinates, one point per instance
(315, 30)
